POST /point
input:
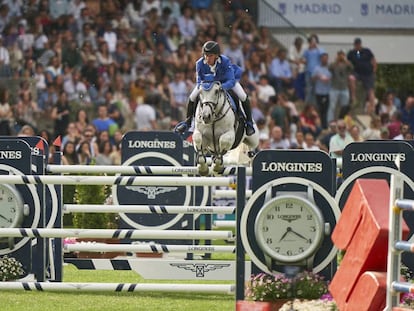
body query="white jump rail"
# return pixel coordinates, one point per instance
(227, 193)
(114, 233)
(119, 287)
(117, 180)
(147, 248)
(135, 170)
(147, 209)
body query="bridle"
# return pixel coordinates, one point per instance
(217, 112)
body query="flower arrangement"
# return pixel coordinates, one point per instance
(270, 287)
(10, 269)
(407, 300)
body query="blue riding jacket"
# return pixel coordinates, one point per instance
(226, 72)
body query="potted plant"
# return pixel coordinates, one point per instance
(269, 292)
(10, 269)
(95, 194)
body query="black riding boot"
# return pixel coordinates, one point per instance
(184, 125)
(249, 122)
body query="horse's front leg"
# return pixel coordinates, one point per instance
(225, 143)
(200, 156)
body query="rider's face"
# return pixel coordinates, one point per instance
(210, 58)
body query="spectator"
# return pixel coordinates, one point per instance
(326, 138)
(5, 70)
(235, 53)
(69, 156)
(104, 155)
(187, 25)
(312, 59)
(404, 129)
(110, 37)
(6, 113)
(145, 115)
(148, 5)
(26, 111)
(85, 153)
(277, 141)
(279, 72)
(104, 56)
(407, 113)
(179, 96)
(387, 105)
(310, 143)
(264, 142)
(322, 78)
(278, 114)
(394, 126)
(341, 70)
(354, 131)
(340, 140)
(310, 120)
(373, 131)
(299, 141)
(103, 122)
(87, 35)
(72, 134)
(297, 67)
(264, 90)
(203, 19)
(365, 67)
(60, 114)
(174, 38)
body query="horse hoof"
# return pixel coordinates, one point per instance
(218, 169)
(203, 170)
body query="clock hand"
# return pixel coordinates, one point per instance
(4, 217)
(288, 229)
(298, 234)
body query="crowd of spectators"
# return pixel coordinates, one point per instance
(88, 71)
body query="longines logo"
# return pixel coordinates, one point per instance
(151, 191)
(199, 269)
(153, 144)
(377, 157)
(291, 167)
(10, 154)
(289, 218)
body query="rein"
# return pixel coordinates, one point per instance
(219, 115)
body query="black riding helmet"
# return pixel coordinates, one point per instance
(211, 47)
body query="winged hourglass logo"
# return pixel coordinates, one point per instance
(199, 269)
(151, 191)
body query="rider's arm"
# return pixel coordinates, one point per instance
(229, 81)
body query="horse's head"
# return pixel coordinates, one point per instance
(212, 99)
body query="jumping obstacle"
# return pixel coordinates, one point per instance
(114, 233)
(127, 233)
(147, 209)
(136, 170)
(117, 180)
(119, 287)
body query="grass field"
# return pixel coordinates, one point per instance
(82, 301)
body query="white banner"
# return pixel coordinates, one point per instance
(340, 14)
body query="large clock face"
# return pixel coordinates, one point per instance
(289, 229)
(11, 207)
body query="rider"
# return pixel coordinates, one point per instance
(220, 66)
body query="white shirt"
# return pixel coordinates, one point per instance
(110, 38)
(4, 55)
(144, 114)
